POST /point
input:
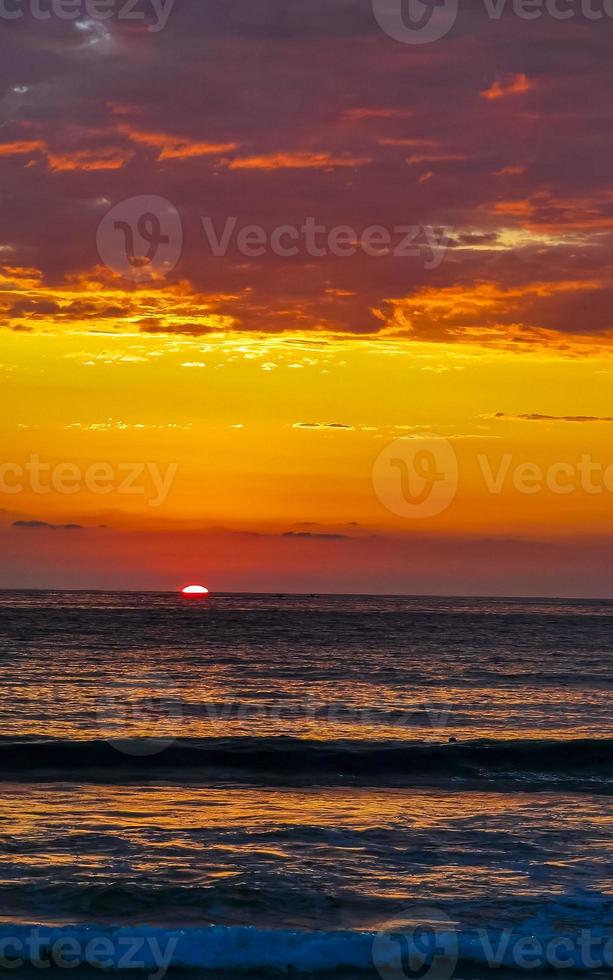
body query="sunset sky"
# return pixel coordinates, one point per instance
(262, 389)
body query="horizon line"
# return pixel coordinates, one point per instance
(339, 595)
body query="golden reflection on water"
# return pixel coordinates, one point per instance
(26, 809)
(378, 846)
(151, 703)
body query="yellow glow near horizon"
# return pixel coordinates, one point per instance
(266, 432)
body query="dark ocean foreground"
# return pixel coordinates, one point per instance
(254, 786)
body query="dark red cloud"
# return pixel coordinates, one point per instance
(276, 111)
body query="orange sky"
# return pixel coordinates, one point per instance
(245, 419)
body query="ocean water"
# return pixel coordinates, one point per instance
(258, 785)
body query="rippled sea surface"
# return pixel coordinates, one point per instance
(308, 666)
(282, 782)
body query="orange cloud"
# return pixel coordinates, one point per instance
(85, 160)
(509, 85)
(19, 147)
(407, 142)
(469, 303)
(182, 151)
(542, 211)
(19, 278)
(436, 158)
(296, 161)
(101, 298)
(356, 114)
(510, 171)
(176, 147)
(487, 314)
(519, 208)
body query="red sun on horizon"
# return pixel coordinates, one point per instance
(195, 590)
